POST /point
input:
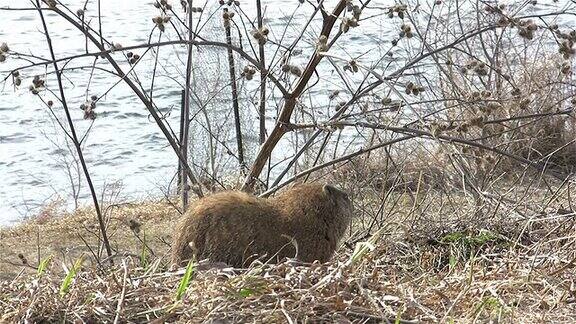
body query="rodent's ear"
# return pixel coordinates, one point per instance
(333, 191)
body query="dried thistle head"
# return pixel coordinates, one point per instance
(334, 94)
(4, 48)
(51, 3)
(248, 72)
(352, 66)
(295, 70)
(134, 225)
(566, 68)
(417, 90)
(566, 48)
(261, 35)
(322, 43)
(356, 11)
(463, 128)
(477, 121)
(386, 101)
(22, 259)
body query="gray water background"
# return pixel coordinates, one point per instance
(124, 144)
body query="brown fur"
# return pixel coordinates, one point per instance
(234, 227)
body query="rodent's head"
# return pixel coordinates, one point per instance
(340, 199)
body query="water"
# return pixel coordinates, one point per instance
(124, 148)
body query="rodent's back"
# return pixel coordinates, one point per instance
(227, 227)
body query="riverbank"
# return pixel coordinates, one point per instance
(65, 237)
(472, 274)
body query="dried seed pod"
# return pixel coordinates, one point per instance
(264, 30)
(334, 94)
(463, 128)
(352, 66)
(134, 225)
(477, 121)
(322, 45)
(22, 258)
(565, 68)
(356, 11)
(295, 70)
(344, 26)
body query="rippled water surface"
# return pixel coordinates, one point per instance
(124, 144)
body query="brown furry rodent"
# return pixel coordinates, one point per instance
(235, 227)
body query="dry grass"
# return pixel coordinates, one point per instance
(397, 280)
(66, 237)
(461, 274)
